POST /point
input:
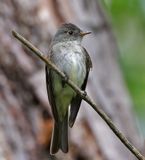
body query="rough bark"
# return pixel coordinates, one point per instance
(25, 119)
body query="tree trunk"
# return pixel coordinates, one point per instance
(25, 117)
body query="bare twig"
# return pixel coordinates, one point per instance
(82, 94)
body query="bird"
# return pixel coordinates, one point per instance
(67, 53)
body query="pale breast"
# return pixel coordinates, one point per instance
(69, 57)
(75, 68)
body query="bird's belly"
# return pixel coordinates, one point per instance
(63, 95)
(74, 67)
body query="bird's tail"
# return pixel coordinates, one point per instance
(60, 136)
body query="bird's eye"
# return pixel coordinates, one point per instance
(70, 32)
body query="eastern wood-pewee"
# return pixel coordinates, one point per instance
(71, 58)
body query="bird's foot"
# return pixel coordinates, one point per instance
(84, 93)
(64, 80)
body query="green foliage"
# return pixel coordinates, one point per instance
(128, 19)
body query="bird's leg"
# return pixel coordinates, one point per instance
(64, 80)
(84, 93)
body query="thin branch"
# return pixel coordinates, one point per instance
(82, 94)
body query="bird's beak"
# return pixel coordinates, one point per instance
(84, 33)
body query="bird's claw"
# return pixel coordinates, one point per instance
(84, 93)
(66, 78)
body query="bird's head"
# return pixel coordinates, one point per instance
(69, 32)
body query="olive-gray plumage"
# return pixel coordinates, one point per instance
(71, 58)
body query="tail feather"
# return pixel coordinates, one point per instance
(64, 135)
(55, 140)
(60, 136)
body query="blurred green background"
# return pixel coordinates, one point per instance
(128, 20)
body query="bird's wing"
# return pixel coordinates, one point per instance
(50, 93)
(76, 101)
